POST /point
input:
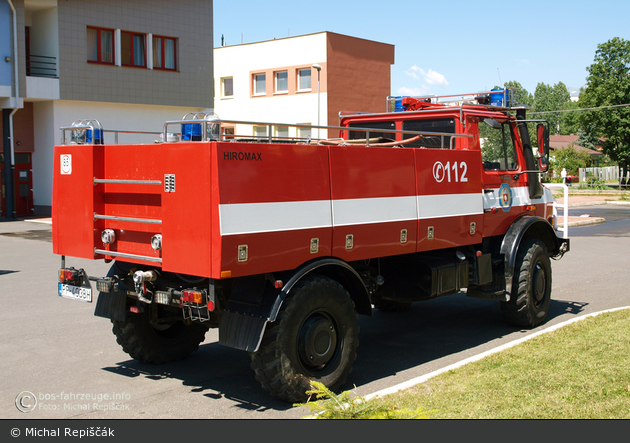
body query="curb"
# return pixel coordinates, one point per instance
(592, 203)
(598, 202)
(586, 222)
(424, 378)
(43, 221)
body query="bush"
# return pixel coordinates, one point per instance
(570, 159)
(594, 183)
(332, 406)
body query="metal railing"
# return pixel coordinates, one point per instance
(565, 209)
(208, 129)
(91, 131)
(41, 66)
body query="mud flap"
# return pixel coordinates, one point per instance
(251, 304)
(112, 305)
(241, 331)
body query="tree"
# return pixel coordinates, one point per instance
(519, 95)
(569, 159)
(587, 140)
(569, 122)
(549, 98)
(608, 84)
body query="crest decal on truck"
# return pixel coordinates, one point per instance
(505, 197)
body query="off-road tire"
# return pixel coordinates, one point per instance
(147, 344)
(531, 289)
(314, 337)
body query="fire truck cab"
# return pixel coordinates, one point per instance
(281, 243)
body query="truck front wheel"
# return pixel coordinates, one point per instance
(531, 290)
(156, 344)
(315, 337)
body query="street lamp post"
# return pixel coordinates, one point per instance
(319, 68)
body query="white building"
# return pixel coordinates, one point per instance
(288, 80)
(130, 64)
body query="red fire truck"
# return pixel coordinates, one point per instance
(281, 243)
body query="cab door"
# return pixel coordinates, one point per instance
(503, 193)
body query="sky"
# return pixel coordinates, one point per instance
(447, 47)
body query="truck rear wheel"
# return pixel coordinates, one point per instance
(150, 344)
(315, 337)
(531, 290)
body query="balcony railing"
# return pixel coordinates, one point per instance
(41, 66)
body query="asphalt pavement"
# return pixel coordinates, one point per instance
(577, 201)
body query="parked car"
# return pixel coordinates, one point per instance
(573, 179)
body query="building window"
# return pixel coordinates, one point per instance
(164, 53)
(132, 49)
(227, 87)
(304, 79)
(260, 131)
(100, 45)
(228, 132)
(260, 84)
(282, 82)
(282, 132)
(304, 133)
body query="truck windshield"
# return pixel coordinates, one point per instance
(498, 151)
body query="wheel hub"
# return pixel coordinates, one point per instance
(540, 283)
(317, 341)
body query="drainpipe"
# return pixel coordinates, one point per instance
(10, 162)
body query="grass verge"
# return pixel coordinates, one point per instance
(581, 371)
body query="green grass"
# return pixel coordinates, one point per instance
(581, 371)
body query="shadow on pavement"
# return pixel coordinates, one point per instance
(390, 342)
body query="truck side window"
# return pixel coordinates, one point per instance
(498, 150)
(384, 136)
(443, 125)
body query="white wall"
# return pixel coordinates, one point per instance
(239, 61)
(44, 132)
(49, 116)
(45, 36)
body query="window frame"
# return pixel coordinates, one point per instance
(259, 128)
(133, 54)
(254, 85)
(286, 79)
(299, 77)
(223, 93)
(282, 132)
(304, 133)
(508, 151)
(99, 47)
(162, 51)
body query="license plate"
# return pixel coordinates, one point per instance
(75, 292)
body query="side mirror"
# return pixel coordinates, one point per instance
(542, 133)
(543, 164)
